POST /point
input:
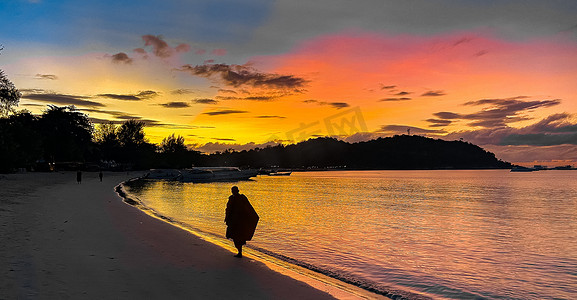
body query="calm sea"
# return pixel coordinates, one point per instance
(445, 234)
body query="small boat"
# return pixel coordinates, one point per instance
(168, 174)
(280, 174)
(523, 169)
(209, 174)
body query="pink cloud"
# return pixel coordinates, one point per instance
(218, 52)
(161, 49)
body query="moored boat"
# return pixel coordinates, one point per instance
(523, 169)
(280, 174)
(208, 174)
(168, 174)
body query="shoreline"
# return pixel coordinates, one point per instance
(333, 284)
(81, 241)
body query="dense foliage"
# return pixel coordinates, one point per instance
(9, 95)
(64, 138)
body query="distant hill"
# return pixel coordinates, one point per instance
(401, 152)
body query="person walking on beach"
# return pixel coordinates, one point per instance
(100, 175)
(78, 177)
(241, 219)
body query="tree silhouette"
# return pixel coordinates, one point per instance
(106, 139)
(26, 138)
(67, 133)
(131, 133)
(174, 152)
(135, 151)
(9, 95)
(172, 144)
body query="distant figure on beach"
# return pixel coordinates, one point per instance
(78, 177)
(241, 219)
(100, 175)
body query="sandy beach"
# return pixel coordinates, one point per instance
(63, 240)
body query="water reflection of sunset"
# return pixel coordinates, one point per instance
(455, 233)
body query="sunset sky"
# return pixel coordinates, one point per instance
(239, 74)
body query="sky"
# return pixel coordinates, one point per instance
(244, 74)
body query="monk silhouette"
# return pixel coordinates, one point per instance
(241, 219)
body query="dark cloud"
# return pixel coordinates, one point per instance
(121, 57)
(499, 112)
(224, 112)
(32, 105)
(205, 101)
(131, 97)
(147, 122)
(120, 97)
(557, 129)
(337, 105)
(388, 87)
(175, 104)
(439, 123)
(481, 53)
(270, 117)
(182, 91)
(223, 139)
(227, 91)
(122, 116)
(497, 101)
(462, 40)
(62, 99)
(433, 94)
(395, 99)
(402, 93)
(161, 49)
(239, 75)
(445, 115)
(539, 139)
(251, 98)
(147, 94)
(45, 77)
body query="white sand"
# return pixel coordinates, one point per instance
(63, 240)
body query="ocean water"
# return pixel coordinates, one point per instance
(444, 234)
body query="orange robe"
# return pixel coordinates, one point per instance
(241, 219)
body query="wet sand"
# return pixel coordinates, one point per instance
(63, 240)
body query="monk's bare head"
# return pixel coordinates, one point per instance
(234, 190)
